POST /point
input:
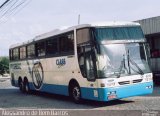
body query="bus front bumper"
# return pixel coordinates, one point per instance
(108, 94)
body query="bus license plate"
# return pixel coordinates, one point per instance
(112, 97)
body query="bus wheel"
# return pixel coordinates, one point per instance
(26, 86)
(76, 93)
(21, 85)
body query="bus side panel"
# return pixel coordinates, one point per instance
(89, 93)
(16, 71)
(52, 88)
(57, 77)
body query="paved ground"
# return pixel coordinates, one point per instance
(11, 97)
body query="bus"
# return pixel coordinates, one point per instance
(97, 61)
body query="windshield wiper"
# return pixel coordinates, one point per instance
(121, 66)
(128, 57)
(135, 64)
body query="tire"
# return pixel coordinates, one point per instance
(75, 93)
(26, 86)
(21, 86)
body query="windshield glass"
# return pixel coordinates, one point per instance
(117, 60)
(118, 33)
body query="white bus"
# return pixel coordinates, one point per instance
(102, 62)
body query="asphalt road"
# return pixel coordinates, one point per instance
(11, 97)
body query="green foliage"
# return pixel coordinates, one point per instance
(4, 65)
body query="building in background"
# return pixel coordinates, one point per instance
(151, 29)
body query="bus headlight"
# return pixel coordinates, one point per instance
(111, 84)
(148, 77)
(108, 84)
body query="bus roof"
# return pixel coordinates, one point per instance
(71, 28)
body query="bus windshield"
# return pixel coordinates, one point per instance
(118, 33)
(117, 60)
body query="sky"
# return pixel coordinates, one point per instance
(40, 16)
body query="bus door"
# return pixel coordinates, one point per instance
(87, 62)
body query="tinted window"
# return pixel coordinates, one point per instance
(31, 51)
(51, 46)
(66, 43)
(22, 52)
(83, 35)
(40, 48)
(15, 54)
(11, 54)
(118, 33)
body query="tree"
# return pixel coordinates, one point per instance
(4, 65)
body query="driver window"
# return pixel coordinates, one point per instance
(81, 60)
(89, 66)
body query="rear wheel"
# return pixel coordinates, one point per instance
(21, 85)
(26, 86)
(75, 93)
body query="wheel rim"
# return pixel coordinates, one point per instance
(76, 93)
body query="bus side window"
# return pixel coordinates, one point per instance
(11, 54)
(23, 52)
(31, 51)
(40, 48)
(66, 43)
(16, 54)
(52, 46)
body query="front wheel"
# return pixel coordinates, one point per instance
(76, 94)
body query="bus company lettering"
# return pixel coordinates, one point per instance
(60, 62)
(15, 66)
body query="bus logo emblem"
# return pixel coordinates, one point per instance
(60, 62)
(37, 75)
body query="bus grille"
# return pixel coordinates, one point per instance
(129, 82)
(124, 82)
(137, 81)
